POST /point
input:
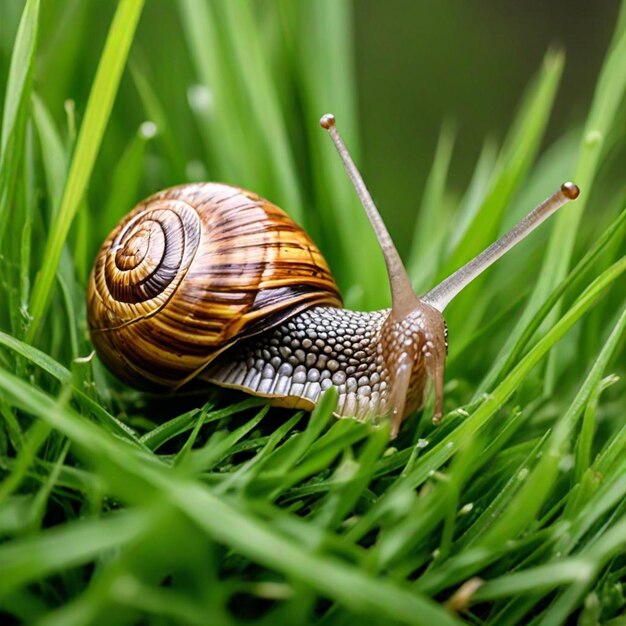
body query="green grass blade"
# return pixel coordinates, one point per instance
(89, 138)
(445, 449)
(608, 95)
(522, 335)
(525, 506)
(283, 461)
(578, 572)
(54, 155)
(351, 479)
(155, 113)
(512, 166)
(35, 438)
(587, 508)
(64, 376)
(126, 178)
(165, 432)
(231, 153)
(225, 523)
(475, 194)
(17, 107)
(66, 546)
(429, 227)
(326, 84)
(588, 427)
(261, 95)
(217, 449)
(20, 70)
(513, 162)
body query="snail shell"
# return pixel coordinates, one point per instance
(190, 271)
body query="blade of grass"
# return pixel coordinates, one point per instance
(527, 502)
(525, 506)
(217, 449)
(34, 439)
(41, 499)
(90, 136)
(16, 106)
(523, 334)
(164, 432)
(513, 162)
(20, 69)
(226, 523)
(126, 178)
(286, 457)
(248, 471)
(503, 499)
(609, 93)
(444, 450)
(325, 68)
(64, 376)
(512, 166)
(475, 194)
(154, 111)
(221, 130)
(588, 426)
(67, 546)
(351, 480)
(263, 102)
(577, 571)
(54, 155)
(587, 512)
(429, 227)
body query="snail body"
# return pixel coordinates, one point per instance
(320, 347)
(208, 281)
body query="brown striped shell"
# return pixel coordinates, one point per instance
(190, 271)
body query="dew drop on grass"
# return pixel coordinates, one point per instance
(148, 130)
(200, 98)
(466, 508)
(566, 463)
(592, 138)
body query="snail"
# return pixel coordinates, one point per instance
(211, 282)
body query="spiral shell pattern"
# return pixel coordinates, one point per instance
(190, 271)
(146, 260)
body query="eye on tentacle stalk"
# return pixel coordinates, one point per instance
(415, 334)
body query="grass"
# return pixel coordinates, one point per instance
(121, 507)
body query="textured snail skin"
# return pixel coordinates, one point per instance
(305, 355)
(322, 347)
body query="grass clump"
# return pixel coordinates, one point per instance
(120, 507)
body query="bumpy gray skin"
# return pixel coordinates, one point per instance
(299, 359)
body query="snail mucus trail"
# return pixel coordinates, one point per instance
(211, 282)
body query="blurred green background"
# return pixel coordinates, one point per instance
(417, 63)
